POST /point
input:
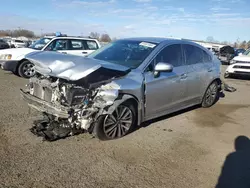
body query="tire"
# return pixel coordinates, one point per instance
(211, 95)
(115, 130)
(26, 69)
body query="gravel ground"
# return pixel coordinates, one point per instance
(183, 150)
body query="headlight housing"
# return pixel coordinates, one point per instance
(233, 62)
(5, 56)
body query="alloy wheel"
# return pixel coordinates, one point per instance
(28, 70)
(118, 123)
(211, 94)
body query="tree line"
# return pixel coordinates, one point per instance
(237, 44)
(30, 34)
(106, 38)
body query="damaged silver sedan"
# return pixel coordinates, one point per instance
(119, 86)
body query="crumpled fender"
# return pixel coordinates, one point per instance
(117, 102)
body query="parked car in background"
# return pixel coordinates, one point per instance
(14, 59)
(239, 65)
(239, 51)
(115, 88)
(15, 43)
(226, 54)
(3, 44)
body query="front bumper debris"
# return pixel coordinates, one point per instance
(44, 106)
(8, 65)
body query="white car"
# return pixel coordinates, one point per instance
(239, 65)
(15, 43)
(14, 59)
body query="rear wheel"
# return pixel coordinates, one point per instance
(211, 95)
(26, 69)
(117, 124)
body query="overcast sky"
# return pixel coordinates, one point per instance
(194, 19)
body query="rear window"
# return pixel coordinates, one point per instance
(78, 44)
(19, 41)
(92, 45)
(195, 55)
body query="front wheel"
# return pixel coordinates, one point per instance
(26, 69)
(117, 124)
(226, 75)
(211, 95)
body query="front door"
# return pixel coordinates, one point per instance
(165, 93)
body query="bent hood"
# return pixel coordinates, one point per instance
(16, 52)
(69, 67)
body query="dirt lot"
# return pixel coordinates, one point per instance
(183, 150)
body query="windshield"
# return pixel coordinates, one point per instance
(124, 52)
(247, 52)
(38, 45)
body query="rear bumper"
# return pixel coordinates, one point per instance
(8, 65)
(44, 106)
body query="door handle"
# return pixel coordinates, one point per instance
(183, 76)
(64, 52)
(210, 70)
(84, 52)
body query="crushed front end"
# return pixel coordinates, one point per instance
(68, 107)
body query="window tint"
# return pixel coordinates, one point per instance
(193, 54)
(171, 54)
(58, 44)
(92, 45)
(19, 41)
(206, 57)
(77, 44)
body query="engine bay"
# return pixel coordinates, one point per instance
(69, 107)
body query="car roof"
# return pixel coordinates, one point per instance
(69, 37)
(150, 39)
(159, 40)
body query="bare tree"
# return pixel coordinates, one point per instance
(243, 44)
(95, 35)
(210, 39)
(248, 44)
(105, 38)
(17, 33)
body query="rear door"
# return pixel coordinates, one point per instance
(196, 72)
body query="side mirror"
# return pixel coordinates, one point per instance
(162, 67)
(240, 54)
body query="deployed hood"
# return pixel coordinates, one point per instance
(242, 58)
(69, 67)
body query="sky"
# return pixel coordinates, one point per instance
(224, 20)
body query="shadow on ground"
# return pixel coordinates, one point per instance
(148, 123)
(236, 169)
(240, 77)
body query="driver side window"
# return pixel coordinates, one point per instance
(171, 54)
(58, 44)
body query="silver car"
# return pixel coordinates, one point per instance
(119, 86)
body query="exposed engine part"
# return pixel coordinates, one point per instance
(53, 130)
(69, 108)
